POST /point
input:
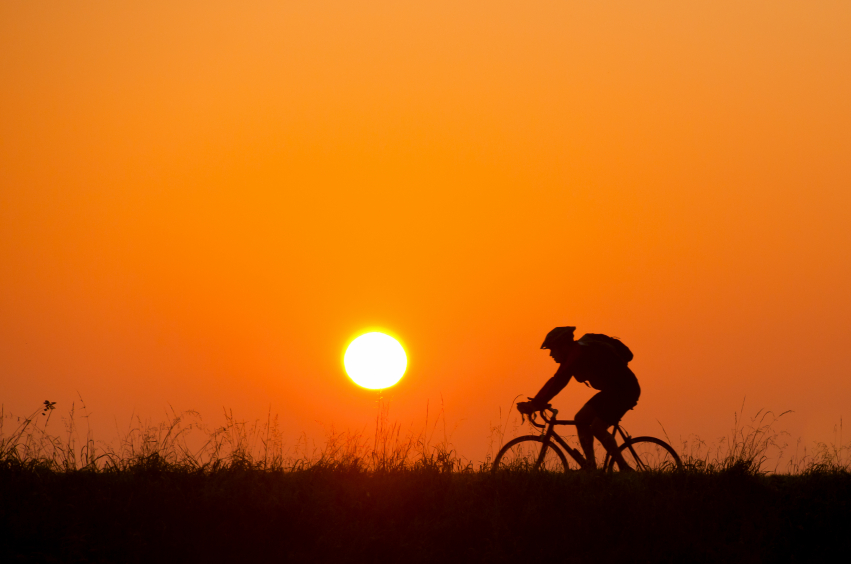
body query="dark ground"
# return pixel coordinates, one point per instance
(333, 515)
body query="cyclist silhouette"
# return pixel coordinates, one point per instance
(598, 364)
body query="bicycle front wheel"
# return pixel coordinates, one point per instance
(647, 454)
(530, 452)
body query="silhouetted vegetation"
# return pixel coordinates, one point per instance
(239, 495)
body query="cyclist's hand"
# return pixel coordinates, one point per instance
(531, 406)
(525, 407)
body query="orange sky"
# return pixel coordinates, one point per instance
(201, 202)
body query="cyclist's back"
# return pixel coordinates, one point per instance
(600, 366)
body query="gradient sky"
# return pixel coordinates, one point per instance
(202, 202)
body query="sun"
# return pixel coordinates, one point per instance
(375, 361)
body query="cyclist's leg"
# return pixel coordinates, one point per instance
(610, 408)
(600, 429)
(584, 418)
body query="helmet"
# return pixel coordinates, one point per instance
(558, 336)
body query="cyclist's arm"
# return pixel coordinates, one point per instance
(552, 387)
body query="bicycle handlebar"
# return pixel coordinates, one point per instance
(548, 414)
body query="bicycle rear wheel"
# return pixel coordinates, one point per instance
(646, 454)
(530, 452)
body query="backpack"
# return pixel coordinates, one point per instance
(614, 343)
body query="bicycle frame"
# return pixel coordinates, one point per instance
(550, 435)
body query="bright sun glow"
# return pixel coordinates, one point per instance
(375, 361)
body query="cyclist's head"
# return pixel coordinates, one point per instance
(558, 338)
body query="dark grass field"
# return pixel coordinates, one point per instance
(152, 512)
(234, 494)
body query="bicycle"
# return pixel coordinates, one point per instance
(542, 452)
